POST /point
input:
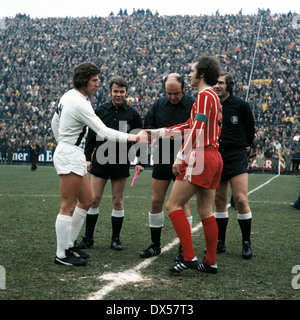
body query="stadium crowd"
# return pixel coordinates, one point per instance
(37, 57)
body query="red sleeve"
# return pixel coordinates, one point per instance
(195, 136)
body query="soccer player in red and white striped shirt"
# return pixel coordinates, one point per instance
(198, 166)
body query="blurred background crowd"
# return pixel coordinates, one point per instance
(37, 57)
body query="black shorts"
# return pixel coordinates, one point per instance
(110, 171)
(234, 163)
(163, 172)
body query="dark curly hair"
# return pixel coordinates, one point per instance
(210, 67)
(83, 72)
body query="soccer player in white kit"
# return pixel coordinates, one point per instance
(73, 115)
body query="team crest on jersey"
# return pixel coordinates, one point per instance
(234, 119)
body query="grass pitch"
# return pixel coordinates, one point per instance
(30, 201)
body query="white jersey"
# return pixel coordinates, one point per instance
(72, 117)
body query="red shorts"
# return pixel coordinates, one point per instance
(203, 168)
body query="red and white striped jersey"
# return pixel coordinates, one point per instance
(204, 124)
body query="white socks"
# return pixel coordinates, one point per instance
(117, 213)
(67, 230)
(93, 211)
(190, 220)
(156, 220)
(63, 227)
(77, 223)
(221, 215)
(244, 216)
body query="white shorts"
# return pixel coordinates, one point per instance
(69, 158)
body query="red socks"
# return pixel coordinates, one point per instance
(210, 228)
(183, 230)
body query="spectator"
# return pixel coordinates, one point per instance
(275, 162)
(34, 149)
(288, 161)
(260, 161)
(10, 153)
(151, 46)
(296, 137)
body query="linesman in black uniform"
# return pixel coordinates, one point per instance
(172, 109)
(236, 139)
(109, 160)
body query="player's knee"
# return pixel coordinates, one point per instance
(241, 201)
(67, 210)
(156, 204)
(171, 206)
(86, 203)
(168, 206)
(117, 201)
(220, 204)
(96, 201)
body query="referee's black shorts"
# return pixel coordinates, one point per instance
(234, 162)
(163, 172)
(110, 171)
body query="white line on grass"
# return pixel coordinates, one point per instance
(133, 275)
(108, 196)
(262, 185)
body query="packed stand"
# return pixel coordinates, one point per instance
(37, 57)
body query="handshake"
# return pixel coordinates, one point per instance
(144, 136)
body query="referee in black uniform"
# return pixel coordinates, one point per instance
(109, 160)
(167, 111)
(236, 139)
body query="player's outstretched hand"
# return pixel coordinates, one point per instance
(143, 137)
(152, 133)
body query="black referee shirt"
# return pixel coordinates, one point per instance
(165, 114)
(124, 118)
(237, 124)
